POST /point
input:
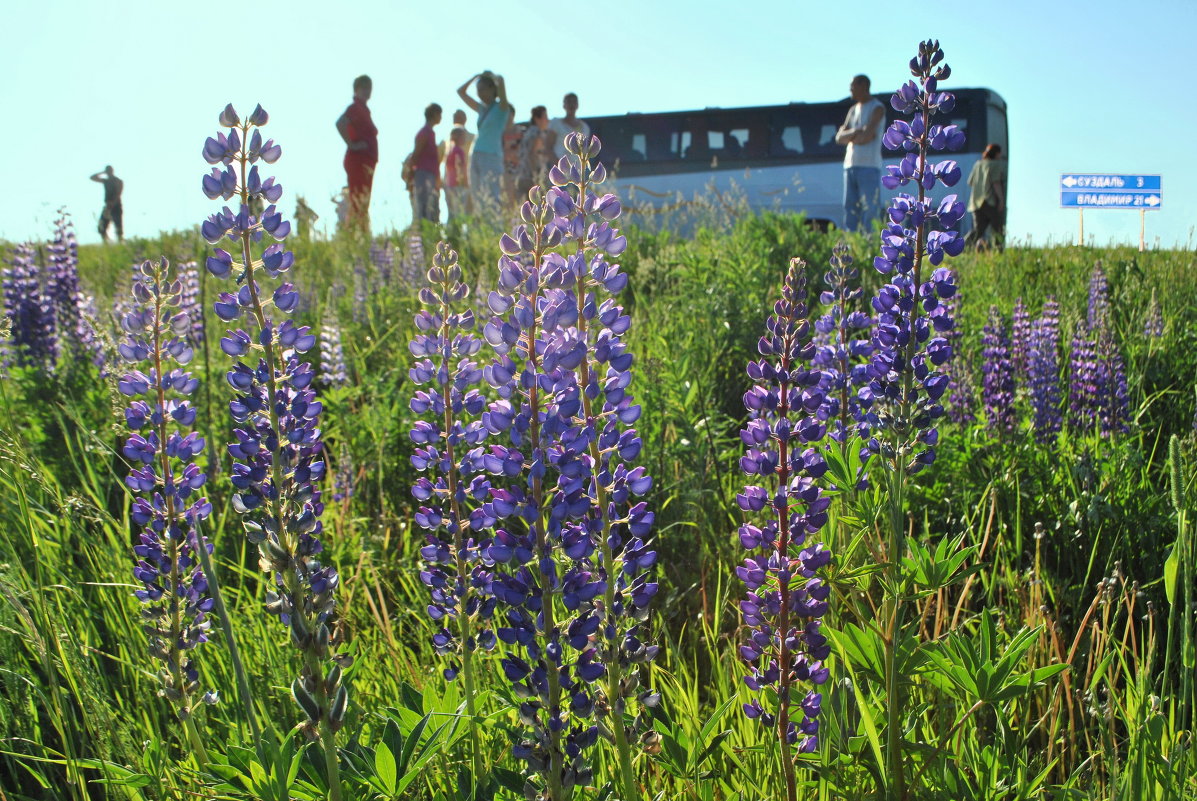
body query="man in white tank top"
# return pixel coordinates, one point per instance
(861, 132)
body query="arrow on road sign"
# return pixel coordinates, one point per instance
(1152, 200)
(1069, 181)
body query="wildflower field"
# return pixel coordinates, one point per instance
(565, 508)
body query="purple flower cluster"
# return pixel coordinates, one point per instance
(1153, 322)
(997, 369)
(1020, 337)
(332, 355)
(190, 302)
(785, 596)
(382, 256)
(1098, 315)
(62, 281)
(571, 561)
(1098, 397)
(909, 348)
(413, 263)
(961, 380)
(1043, 373)
(450, 453)
(278, 452)
(841, 357)
(33, 341)
(166, 480)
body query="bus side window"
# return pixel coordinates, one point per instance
(638, 152)
(827, 136)
(787, 141)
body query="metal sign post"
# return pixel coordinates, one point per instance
(1082, 191)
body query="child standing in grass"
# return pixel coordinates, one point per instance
(457, 178)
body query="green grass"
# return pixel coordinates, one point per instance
(79, 718)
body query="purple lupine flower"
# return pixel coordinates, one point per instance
(961, 379)
(1099, 299)
(571, 561)
(1043, 373)
(62, 282)
(332, 355)
(997, 369)
(278, 460)
(343, 482)
(361, 292)
(841, 357)
(1153, 322)
(906, 382)
(91, 340)
(166, 481)
(382, 256)
(453, 487)
(32, 340)
(1020, 338)
(1083, 391)
(786, 597)
(1098, 396)
(190, 300)
(412, 273)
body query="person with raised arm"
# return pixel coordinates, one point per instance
(486, 161)
(112, 213)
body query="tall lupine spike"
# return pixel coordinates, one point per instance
(33, 341)
(333, 373)
(1098, 396)
(909, 347)
(602, 442)
(571, 560)
(997, 369)
(786, 597)
(382, 256)
(961, 380)
(1020, 337)
(450, 451)
(1084, 372)
(536, 556)
(278, 452)
(361, 291)
(166, 482)
(62, 281)
(908, 343)
(413, 263)
(1153, 321)
(1099, 299)
(842, 359)
(190, 300)
(1043, 373)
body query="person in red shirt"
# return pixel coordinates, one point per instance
(361, 154)
(426, 168)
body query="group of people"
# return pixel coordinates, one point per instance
(490, 169)
(861, 133)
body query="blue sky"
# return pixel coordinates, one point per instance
(1091, 86)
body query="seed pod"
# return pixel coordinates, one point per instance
(306, 702)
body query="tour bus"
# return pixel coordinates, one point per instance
(782, 158)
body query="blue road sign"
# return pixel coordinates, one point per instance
(1105, 191)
